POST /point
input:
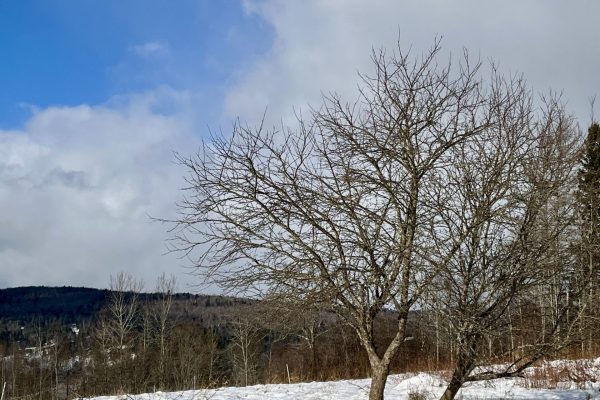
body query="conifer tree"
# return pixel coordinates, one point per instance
(589, 191)
(589, 197)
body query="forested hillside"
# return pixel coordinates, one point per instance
(22, 308)
(62, 342)
(72, 304)
(66, 303)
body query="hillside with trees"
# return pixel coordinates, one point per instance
(138, 342)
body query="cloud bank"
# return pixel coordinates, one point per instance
(77, 186)
(320, 45)
(77, 183)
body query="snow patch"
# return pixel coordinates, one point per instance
(421, 382)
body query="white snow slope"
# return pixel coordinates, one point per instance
(399, 387)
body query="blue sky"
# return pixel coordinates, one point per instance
(69, 52)
(96, 95)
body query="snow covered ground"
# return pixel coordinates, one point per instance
(568, 380)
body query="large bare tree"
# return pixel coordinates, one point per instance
(348, 207)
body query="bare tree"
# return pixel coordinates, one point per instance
(347, 208)
(245, 348)
(512, 191)
(194, 357)
(123, 308)
(116, 329)
(165, 287)
(286, 319)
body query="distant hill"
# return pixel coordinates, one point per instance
(22, 309)
(65, 303)
(74, 304)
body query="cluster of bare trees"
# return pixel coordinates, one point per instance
(36, 371)
(255, 342)
(143, 342)
(141, 347)
(132, 346)
(439, 191)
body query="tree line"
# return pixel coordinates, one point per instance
(143, 343)
(122, 347)
(137, 346)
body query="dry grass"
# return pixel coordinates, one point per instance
(555, 375)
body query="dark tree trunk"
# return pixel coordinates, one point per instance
(314, 366)
(464, 366)
(452, 389)
(378, 380)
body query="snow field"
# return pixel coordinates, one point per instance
(405, 386)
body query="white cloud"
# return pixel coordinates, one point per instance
(321, 44)
(150, 49)
(77, 185)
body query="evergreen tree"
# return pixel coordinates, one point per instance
(589, 197)
(589, 192)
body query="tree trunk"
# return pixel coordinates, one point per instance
(378, 380)
(452, 389)
(314, 367)
(380, 366)
(464, 366)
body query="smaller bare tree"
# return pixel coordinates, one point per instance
(299, 322)
(116, 329)
(515, 187)
(165, 287)
(245, 347)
